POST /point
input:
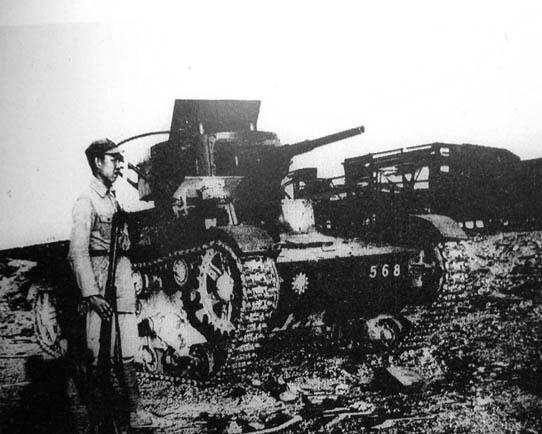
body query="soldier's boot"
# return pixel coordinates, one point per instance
(141, 419)
(137, 417)
(94, 429)
(96, 400)
(101, 428)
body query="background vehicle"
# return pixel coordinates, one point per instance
(484, 189)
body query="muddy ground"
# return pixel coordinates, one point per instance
(472, 362)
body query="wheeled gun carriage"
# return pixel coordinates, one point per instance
(230, 247)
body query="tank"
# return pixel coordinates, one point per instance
(233, 247)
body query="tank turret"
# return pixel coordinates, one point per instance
(215, 146)
(225, 254)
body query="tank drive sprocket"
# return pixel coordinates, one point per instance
(227, 297)
(217, 292)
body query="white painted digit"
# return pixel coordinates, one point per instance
(372, 273)
(397, 270)
(385, 270)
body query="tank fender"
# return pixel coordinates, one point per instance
(442, 226)
(249, 239)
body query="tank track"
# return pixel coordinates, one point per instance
(456, 259)
(261, 291)
(243, 354)
(259, 298)
(456, 263)
(46, 322)
(260, 286)
(455, 267)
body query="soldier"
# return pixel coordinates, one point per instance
(89, 258)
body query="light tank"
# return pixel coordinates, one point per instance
(230, 248)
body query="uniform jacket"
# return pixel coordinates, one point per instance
(91, 231)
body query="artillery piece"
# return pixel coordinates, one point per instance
(230, 247)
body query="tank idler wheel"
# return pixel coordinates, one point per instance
(428, 272)
(149, 357)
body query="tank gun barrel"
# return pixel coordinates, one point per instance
(308, 145)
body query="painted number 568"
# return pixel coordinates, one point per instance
(385, 270)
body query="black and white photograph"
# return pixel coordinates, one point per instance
(237, 217)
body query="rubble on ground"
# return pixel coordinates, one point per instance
(472, 361)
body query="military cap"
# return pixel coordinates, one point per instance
(103, 147)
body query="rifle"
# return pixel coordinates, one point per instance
(104, 356)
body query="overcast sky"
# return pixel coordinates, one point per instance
(410, 72)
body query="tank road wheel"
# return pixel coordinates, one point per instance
(148, 357)
(218, 291)
(46, 325)
(428, 272)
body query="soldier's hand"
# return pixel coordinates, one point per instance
(101, 306)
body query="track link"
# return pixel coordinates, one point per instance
(46, 326)
(456, 264)
(259, 298)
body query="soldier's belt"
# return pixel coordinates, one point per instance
(93, 253)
